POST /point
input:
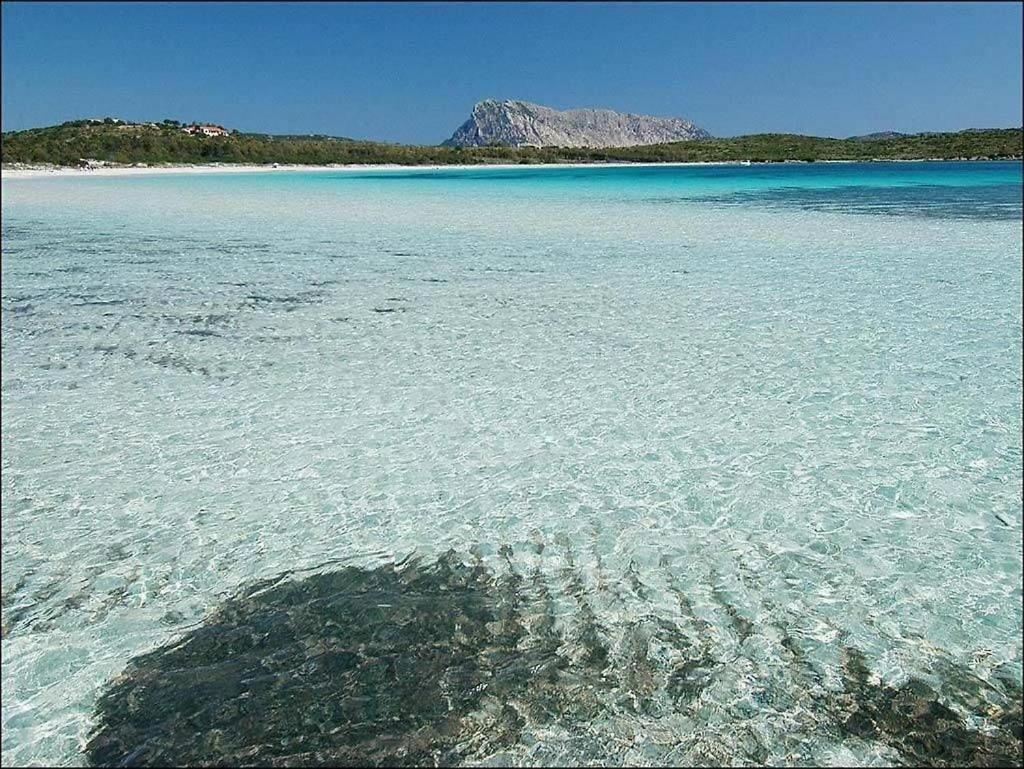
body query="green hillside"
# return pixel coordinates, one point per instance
(118, 142)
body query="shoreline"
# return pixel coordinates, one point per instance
(28, 171)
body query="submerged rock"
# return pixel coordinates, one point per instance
(350, 668)
(913, 719)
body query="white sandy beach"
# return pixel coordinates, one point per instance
(225, 168)
(219, 168)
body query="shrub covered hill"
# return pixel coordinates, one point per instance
(115, 141)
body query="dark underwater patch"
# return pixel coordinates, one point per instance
(99, 303)
(914, 720)
(174, 362)
(288, 303)
(351, 668)
(993, 202)
(446, 662)
(20, 309)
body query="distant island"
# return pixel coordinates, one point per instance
(83, 143)
(524, 124)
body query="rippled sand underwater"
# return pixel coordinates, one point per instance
(669, 466)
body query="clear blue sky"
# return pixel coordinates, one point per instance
(411, 72)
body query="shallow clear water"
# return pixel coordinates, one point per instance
(788, 394)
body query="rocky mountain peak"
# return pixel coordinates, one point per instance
(522, 123)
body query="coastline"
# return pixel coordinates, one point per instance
(35, 172)
(28, 171)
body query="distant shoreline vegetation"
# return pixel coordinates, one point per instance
(78, 143)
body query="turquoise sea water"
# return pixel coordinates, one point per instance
(723, 426)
